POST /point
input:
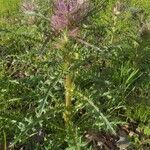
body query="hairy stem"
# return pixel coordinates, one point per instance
(68, 97)
(68, 85)
(113, 29)
(68, 90)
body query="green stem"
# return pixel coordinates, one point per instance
(68, 85)
(68, 82)
(113, 29)
(68, 89)
(68, 96)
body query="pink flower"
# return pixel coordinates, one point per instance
(29, 7)
(68, 13)
(59, 22)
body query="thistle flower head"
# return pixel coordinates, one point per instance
(67, 13)
(119, 8)
(29, 6)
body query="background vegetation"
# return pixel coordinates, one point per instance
(111, 68)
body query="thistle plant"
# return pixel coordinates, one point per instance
(29, 7)
(61, 81)
(67, 14)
